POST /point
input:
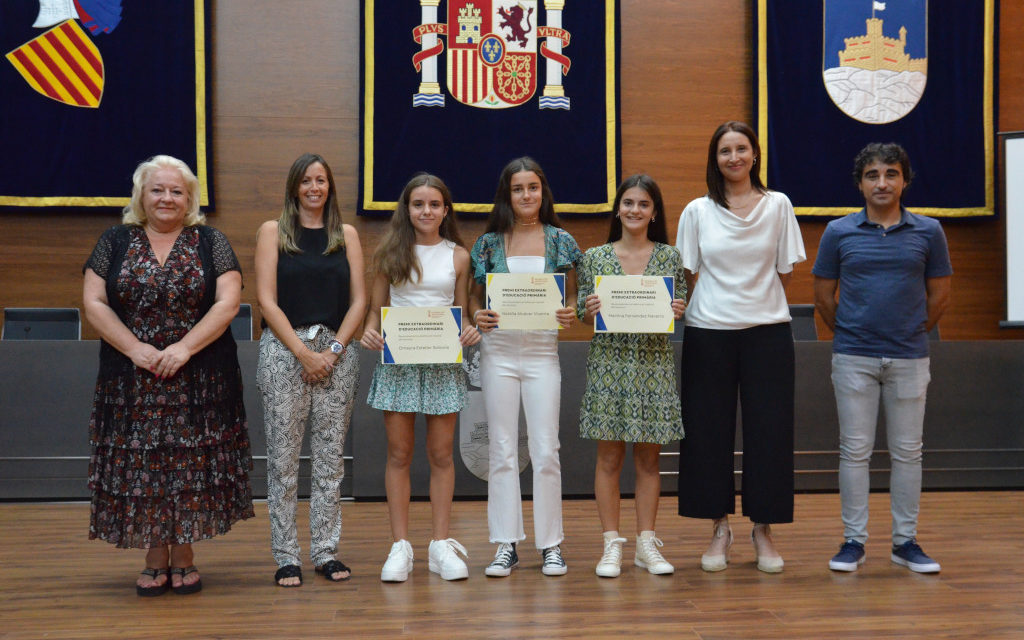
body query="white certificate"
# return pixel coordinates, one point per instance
(635, 304)
(526, 300)
(421, 335)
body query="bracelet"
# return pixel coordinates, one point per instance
(475, 314)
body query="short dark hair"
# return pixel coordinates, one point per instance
(885, 152)
(656, 230)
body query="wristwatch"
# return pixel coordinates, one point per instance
(336, 347)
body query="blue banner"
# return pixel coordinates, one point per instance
(90, 89)
(834, 75)
(460, 87)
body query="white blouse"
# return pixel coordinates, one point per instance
(436, 287)
(739, 260)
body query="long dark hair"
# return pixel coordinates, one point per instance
(288, 227)
(395, 256)
(502, 216)
(656, 230)
(715, 179)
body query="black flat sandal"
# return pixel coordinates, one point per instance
(186, 589)
(288, 571)
(157, 589)
(328, 569)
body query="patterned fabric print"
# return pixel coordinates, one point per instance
(432, 389)
(561, 253)
(631, 392)
(170, 458)
(288, 404)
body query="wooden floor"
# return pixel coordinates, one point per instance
(58, 584)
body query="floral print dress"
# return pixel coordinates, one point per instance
(170, 458)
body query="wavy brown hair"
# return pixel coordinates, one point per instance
(288, 227)
(502, 216)
(395, 256)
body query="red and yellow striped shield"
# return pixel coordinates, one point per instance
(62, 64)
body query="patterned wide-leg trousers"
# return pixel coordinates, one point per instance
(288, 404)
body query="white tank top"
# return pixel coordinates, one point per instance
(436, 287)
(525, 264)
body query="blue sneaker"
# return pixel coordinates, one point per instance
(850, 556)
(910, 555)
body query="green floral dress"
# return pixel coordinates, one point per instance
(631, 392)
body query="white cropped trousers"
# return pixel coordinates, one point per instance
(522, 366)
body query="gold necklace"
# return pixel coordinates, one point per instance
(750, 197)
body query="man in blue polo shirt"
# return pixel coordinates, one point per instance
(892, 271)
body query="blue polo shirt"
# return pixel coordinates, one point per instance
(883, 306)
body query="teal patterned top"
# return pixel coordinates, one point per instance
(561, 253)
(631, 393)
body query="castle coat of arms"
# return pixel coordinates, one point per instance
(874, 69)
(493, 51)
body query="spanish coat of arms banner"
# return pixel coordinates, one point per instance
(91, 88)
(834, 75)
(458, 88)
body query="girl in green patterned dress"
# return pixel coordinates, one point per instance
(631, 393)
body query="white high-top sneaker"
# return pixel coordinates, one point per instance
(648, 557)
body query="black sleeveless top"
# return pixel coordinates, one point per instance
(313, 288)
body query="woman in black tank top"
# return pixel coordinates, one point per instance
(309, 282)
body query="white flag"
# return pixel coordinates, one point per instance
(878, 6)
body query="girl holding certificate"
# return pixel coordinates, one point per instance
(420, 263)
(523, 236)
(739, 244)
(631, 390)
(309, 282)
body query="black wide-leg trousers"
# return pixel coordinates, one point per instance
(758, 363)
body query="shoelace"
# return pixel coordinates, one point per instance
(649, 546)
(504, 556)
(553, 557)
(613, 551)
(913, 549)
(398, 549)
(454, 545)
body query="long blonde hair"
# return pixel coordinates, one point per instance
(395, 256)
(288, 227)
(135, 214)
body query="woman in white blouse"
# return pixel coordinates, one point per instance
(738, 244)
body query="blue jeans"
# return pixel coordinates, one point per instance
(902, 386)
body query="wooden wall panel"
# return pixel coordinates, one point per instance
(287, 81)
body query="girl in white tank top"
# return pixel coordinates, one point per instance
(420, 263)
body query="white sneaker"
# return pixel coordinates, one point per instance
(611, 561)
(399, 563)
(648, 557)
(445, 561)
